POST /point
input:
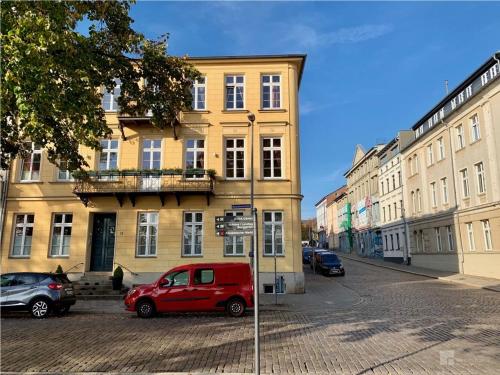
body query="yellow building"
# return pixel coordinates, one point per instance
(148, 222)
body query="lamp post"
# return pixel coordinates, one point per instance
(251, 119)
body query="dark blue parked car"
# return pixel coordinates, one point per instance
(329, 264)
(306, 255)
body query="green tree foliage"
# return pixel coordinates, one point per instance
(55, 58)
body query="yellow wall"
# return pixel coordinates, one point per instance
(214, 124)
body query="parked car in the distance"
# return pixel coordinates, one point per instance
(38, 293)
(329, 264)
(306, 254)
(195, 287)
(313, 255)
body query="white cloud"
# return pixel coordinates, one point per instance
(308, 37)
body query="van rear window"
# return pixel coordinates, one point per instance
(203, 276)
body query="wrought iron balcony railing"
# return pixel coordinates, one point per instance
(135, 183)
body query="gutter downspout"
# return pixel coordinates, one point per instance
(5, 189)
(462, 260)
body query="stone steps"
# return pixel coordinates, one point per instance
(96, 286)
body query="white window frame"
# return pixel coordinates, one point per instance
(112, 100)
(64, 174)
(470, 236)
(475, 131)
(108, 151)
(24, 225)
(234, 150)
(441, 149)
(271, 149)
(271, 84)
(488, 245)
(233, 240)
(149, 224)
(430, 154)
(437, 232)
(197, 151)
(460, 137)
(444, 189)
(63, 224)
(233, 86)
(433, 194)
(273, 225)
(464, 173)
(36, 151)
(192, 228)
(151, 151)
(480, 178)
(449, 233)
(197, 85)
(419, 201)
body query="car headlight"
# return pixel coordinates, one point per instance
(131, 291)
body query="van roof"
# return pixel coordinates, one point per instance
(213, 265)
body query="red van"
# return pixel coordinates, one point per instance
(195, 287)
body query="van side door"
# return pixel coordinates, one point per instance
(203, 289)
(173, 293)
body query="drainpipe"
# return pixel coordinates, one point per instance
(5, 189)
(452, 155)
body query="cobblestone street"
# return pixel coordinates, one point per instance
(372, 321)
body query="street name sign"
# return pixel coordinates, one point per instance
(234, 226)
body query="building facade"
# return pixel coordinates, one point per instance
(332, 214)
(362, 185)
(150, 199)
(321, 223)
(392, 210)
(452, 174)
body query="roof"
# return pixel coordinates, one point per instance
(333, 197)
(458, 89)
(375, 149)
(302, 57)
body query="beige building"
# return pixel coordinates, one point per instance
(150, 200)
(363, 196)
(392, 210)
(452, 179)
(332, 214)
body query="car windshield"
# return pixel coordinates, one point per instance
(330, 258)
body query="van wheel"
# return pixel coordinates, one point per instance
(235, 307)
(39, 308)
(145, 309)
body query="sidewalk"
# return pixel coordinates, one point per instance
(475, 281)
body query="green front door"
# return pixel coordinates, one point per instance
(103, 242)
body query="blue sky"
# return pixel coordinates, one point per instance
(372, 68)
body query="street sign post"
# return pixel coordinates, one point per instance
(234, 226)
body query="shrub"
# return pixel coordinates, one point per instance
(118, 274)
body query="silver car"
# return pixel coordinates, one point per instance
(38, 293)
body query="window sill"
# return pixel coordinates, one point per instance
(19, 256)
(58, 256)
(272, 110)
(146, 256)
(28, 182)
(273, 180)
(272, 255)
(234, 256)
(191, 256)
(196, 111)
(235, 111)
(236, 179)
(62, 182)
(474, 142)
(481, 194)
(460, 149)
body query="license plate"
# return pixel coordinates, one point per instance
(69, 292)
(334, 270)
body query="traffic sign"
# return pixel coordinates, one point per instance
(228, 219)
(240, 206)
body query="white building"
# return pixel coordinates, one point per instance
(392, 212)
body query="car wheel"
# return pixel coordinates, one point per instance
(235, 307)
(39, 308)
(342, 274)
(145, 309)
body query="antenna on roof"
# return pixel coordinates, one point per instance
(446, 86)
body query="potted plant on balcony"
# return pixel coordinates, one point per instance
(117, 278)
(80, 175)
(130, 172)
(211, 173)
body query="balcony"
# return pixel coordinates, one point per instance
(132, 184)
